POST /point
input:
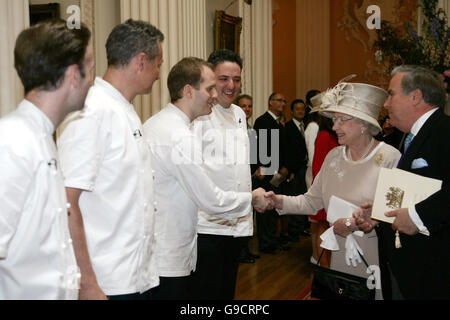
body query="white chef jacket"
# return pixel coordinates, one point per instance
(37, 260)
(226, 154)
(103, 152)
(181, 187)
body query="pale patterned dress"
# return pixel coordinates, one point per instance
(353, 181)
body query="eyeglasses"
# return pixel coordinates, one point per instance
(280, 100)
(340, 120)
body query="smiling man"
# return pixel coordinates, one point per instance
(227, 162)
(182, 186)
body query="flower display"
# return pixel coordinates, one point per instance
(431, 48)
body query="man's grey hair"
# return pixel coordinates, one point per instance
(424, 79)
(129, 39)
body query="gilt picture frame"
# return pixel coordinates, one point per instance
(41, 12)
(227, 32)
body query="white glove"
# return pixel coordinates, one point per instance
(351, 251)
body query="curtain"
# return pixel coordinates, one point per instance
(256, 51)
(183, 23)
(14, 17)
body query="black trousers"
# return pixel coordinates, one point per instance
(217, 266)
(147, 295)
(172, 288)
(297, 223)
(267, 223)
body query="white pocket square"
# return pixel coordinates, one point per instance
(419, 163)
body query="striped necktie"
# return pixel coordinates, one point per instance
(302, 128)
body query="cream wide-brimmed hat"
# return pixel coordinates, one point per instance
(316, 102)
(359, 100)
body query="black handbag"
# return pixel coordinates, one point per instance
(330, 284)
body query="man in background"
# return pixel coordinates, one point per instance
(271, 170)
(246, 103)
(296, 157)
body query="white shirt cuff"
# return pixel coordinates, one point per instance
(417, 221)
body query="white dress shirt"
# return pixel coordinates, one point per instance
(300, 126)
(181, 188)
(226, 155)
(103, 152)
(412, 210)
(274, 116)
(37, 260)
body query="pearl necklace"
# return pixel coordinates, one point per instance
(369, 146)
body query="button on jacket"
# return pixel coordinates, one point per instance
(103, 152)
(37, 260)
(181, 188)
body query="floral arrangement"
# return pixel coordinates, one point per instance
(432, 48)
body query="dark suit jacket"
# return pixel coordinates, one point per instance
(395, 139)
(267, 128)
(296, 156)
(422, 266)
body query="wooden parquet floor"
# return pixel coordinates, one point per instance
(281, 276)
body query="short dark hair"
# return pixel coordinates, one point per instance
(187, 71)
(424, 79)
(311, 94)
(43, 53)
(240, 97)
(295, 102)
(224, 55)
(326, 124)
(129, 39)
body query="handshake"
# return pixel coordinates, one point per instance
(263, 201)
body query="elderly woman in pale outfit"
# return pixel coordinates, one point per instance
(349, 171)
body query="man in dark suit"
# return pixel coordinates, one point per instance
(420, 267)
(270, 164)
(296, 157)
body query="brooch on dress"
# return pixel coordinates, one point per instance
(379, 158)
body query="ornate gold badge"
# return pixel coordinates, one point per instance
(379, 158)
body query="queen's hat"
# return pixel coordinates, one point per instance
(359, 100)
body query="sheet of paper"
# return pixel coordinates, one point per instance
(400, 189)
(339, 208)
